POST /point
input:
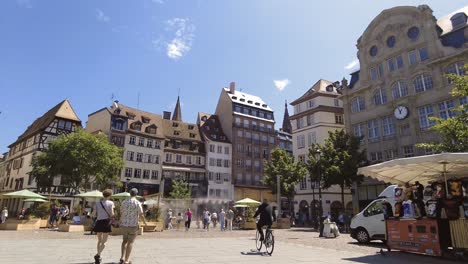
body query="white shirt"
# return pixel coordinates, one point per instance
(100, 212)
(129, 212)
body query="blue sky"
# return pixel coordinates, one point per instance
(89, 50)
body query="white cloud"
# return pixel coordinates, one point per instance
(158, 1)
(281, 84)
(352, 65)
(24, 3)
(182, 41)
(100, 16)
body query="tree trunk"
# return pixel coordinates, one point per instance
(342, 197)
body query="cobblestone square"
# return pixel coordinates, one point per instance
(197, 246)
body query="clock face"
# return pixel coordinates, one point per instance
(401, 112)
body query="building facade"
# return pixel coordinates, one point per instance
(218, 157)
(404, 55)
(61, 119)
(316, 112)
(248, 122)
(141, 136)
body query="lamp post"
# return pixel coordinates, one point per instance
(278, 196)
(318, 155)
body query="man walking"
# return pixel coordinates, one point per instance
(222, 220)
(230, 218)
(130, 211)
(188, 219)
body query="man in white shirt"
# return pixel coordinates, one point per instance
(130, 211)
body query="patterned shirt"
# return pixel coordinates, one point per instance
(130, 211)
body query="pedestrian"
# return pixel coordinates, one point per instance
(179, 219)
(4, 215)
(64, 214)
(419, 191)
(169, 219)
(229, 218)
(130, 211)
(53, 215)
(206, 219)
(104, 214)
(222, 218)
(188, 219)
(214, 218)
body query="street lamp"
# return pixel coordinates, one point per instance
(318, 155)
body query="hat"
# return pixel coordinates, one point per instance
(133, 192)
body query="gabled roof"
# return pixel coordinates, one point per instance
(137, 116)
(247, 99)
(210, 127)
(184, 130)
(62, 110)
(318, 88)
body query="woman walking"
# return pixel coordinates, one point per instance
(188, 219)
(104, 213)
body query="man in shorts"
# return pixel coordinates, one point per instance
(130, 211)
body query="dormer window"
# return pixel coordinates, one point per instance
(192, 135)
(458, 20)
(136, 126)
(234, 98)
(190, 127)
(203, 118)
(264, 105)
(130, 115)
(242, 100)
(151, 129)
(257, 104)
(174, 124)
(176, 133)
(250, 102)
(145, 120)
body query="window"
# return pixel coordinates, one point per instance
(405, 130)
(117, 124)
(391, 65)
(359, 130)
(188, 159)
(458, 20)
(248, 135)
(408, 151)
(178, 158)
(358, 104)
(132, 140)
(455, 68)
(423, 54)
(220, 149)
(157, 144)
(373, 73)
(156, 159)
(154, 174)
(339, 119)
(300, 141)
(168, 157)
(391, 41)
(312, 138)
(212, 161)
(424, 113)
(374, 209)
(399, 89)
(412, 57)
(310, 104)
(119, 141)
(376, 156)
(381, 70)
(310, 119)
(423, 83)
(413, 33)
(141, 141)
(463, 100)
(380, 97)
(146, 174)
(136, 126)
(226, 163)
(139, 157)
(148, 158)
(246, 123)
(226, 150)
(388, 125)
(373, 130)
(130, 155)
(149, 143)
(219, 162)
(239, 133)
(337, 102)
(212, 148)
(399, 61)
(303, 183)
(373, 51)
(300, 123)
(390, 154)
(445, 109)
(240, 163)
(176, 133)
(240, 148)
(128, 172)
(137, 173)
(272, 140)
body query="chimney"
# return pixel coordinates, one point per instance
(232, 87)
(167, 115)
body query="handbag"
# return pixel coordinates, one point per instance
(112, 221)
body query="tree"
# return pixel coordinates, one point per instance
(290, 173)
(339, 161)
(453, 131)
(79, 159)
(180, 190)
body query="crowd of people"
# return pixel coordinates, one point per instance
(224, 219)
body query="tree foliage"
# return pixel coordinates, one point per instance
(453, 131)
(339, 161)
(80, 159)
(180, 189)
(290, 173)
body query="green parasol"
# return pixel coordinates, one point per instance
(35, 200)
(91, 194)
(24, 194)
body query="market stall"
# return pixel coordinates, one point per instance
(430, 215)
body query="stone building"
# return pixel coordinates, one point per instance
(248, 122)
(404, 55)
(140, 133)
(316, 112)
(61, 119)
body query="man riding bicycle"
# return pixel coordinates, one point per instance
(266, 219)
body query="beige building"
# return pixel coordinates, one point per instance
(61, 119)
(316, 112)
(404, 55)
(248, 123)
(141, 135)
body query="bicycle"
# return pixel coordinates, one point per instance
(269, 241)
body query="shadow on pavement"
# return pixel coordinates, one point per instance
(402, 257)
(254, 253)
(370, 244)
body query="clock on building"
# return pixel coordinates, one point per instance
(401, 112)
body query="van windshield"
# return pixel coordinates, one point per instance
(375, 208)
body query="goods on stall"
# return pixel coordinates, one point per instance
(408, 209)
(398, 210)
(455, 188)
(432, 208)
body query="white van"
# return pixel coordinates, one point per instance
(369, 224)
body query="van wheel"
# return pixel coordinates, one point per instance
(362, 236)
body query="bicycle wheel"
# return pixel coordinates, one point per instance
(258, 243)
(269, 242)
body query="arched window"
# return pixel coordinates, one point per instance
(423, 83)
(358, 104)
(380, 97)
(399, 89)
